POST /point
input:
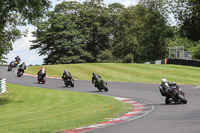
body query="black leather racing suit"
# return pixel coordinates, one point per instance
(67, 75)
(22, 67)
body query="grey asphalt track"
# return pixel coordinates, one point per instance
(163, 119)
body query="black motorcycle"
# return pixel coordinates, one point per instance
(68, 81)
(41, 78)
(176, 95)
(20, 72)
(12, 65)
(101, 85)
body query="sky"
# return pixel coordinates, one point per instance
(31, 57)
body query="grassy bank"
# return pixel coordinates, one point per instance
(30, 109)
(141, 73)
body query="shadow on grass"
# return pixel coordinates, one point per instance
(4, 99)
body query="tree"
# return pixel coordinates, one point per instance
(15, 13)
(74, 33)
(187, 12)
(60, 37)
(142, 32)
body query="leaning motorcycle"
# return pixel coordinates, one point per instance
(68, 81)
(41, 78)
(101, 85)
(176, 95)
(19, 72)
(11, 66)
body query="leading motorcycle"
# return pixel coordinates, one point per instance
(101, 85)
(176, 95)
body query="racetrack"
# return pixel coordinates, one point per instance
(163, 119)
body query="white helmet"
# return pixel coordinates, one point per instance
(164, 80)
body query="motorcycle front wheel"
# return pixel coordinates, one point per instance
(182, 98)
(105, 89)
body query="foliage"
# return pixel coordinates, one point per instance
(196, 52)
(188, 16)
(143, 34)
(188, 45)
(105, 56)
(74, 33)
(86, 32)
(15, 13)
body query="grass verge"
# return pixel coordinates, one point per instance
(140, 73)
(30, 109)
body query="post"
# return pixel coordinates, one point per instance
(2, 85)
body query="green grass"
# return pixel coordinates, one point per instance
(140, 73)
(29, 109)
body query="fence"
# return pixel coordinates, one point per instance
(195, 63)
(164, 61)
(2, 85)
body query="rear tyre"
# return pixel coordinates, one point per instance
(66, 83)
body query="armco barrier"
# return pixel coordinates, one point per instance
(195, 63)
(2, 85)
(185, 62)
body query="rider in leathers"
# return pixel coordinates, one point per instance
(67, 74)
(95, 79)
(42, 71)
(22, 67)
(165, 87)
(17, 59)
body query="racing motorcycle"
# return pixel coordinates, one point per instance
(12, 65)
(41, 78)
(101, 85)
(176, 95)
(68, 81)
(19, 72)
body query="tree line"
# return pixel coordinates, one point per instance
(91, 31)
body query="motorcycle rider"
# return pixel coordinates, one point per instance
(17, 59)
(22, 67)
(165, 88)
(42, 71)
(95, 79)
(67, 74)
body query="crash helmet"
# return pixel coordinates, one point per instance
(164, 80)
(94, 73)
